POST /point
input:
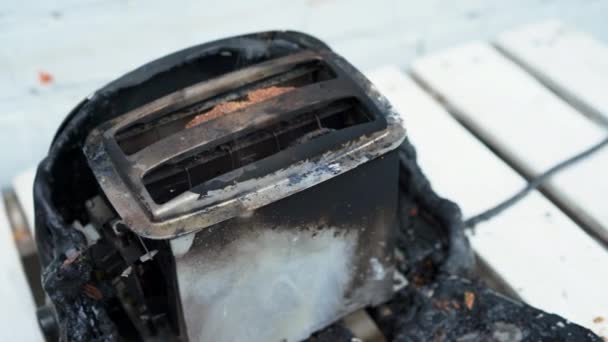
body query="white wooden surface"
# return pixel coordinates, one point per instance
(17, 313)
(571, 62)
(540, 252)
(23, 184)
(530, 125)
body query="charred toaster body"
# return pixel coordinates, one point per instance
(257, 203)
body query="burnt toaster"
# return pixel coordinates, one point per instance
(255, 201)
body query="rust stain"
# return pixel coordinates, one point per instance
(469, 299)
(45, 77)
(92, 292)
(253, 97)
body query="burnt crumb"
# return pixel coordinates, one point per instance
(423, 273)
(253, 97)
(469, 299)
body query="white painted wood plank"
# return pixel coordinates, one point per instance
(17, 312)
(572, 63)
(526, 122)
(539, 251)
(23, 184)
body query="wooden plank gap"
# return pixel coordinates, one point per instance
(570, 63)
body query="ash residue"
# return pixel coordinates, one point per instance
(440, 312)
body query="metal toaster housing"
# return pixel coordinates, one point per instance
(326, 195)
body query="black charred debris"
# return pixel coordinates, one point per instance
(444, 300)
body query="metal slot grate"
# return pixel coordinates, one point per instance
(173, 178)
(136, 137)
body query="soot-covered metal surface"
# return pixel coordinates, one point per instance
(113, 275)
